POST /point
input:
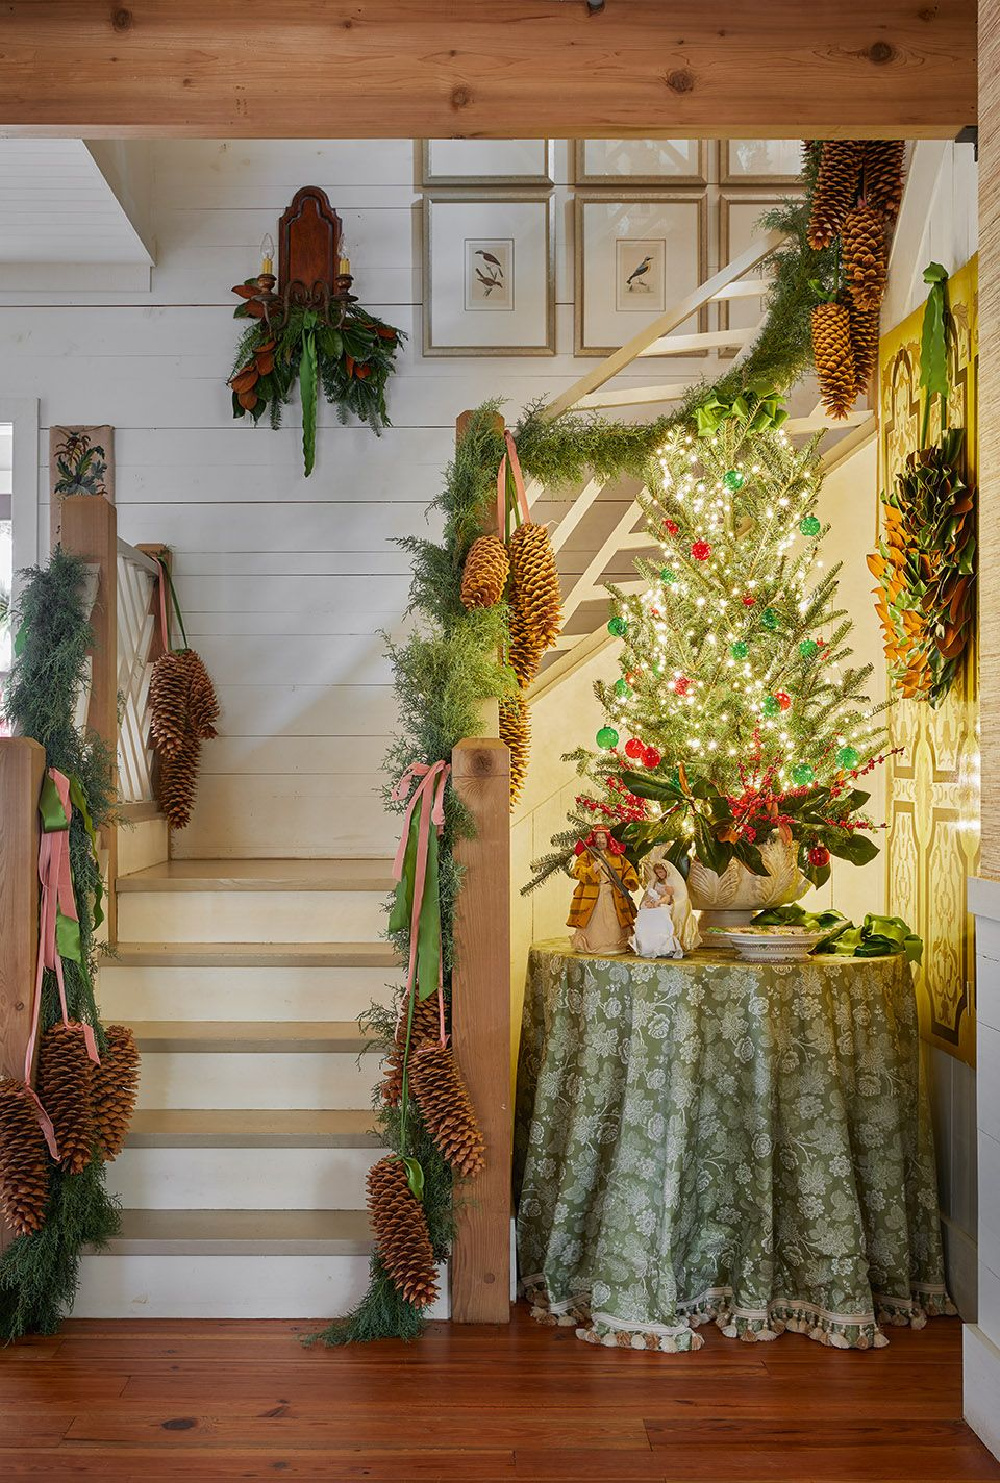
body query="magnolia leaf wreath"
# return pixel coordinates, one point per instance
(925, 563)
(350, 362)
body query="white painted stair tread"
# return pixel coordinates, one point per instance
(210, 1127)
(242, 1232)
(262, 875)
(254, 955)
(278, 1037)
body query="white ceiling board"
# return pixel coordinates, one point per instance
(59, 205)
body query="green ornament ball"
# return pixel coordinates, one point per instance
(848, 758)
(623, 689)
(734, 479)
(809, 648)
(607, 738)
(802, 774)
(739, 650)
(770, 706)
(769, 618)
(666, 575)
(617, 627)
(810, 525)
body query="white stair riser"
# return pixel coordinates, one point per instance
(250, 916)
(224, 1286)
(242, 1178)
(262, 1080)
(143, 844)
(239, 993)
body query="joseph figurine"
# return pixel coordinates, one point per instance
(603, 911)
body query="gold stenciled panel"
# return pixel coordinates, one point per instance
(932, 788)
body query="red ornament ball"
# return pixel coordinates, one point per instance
(634, 747)
(682, 685)
(671, 527)
(631, 677)
(784, 699)
(748, 599)
(819, 856)
(651, 758)
(701, 550)
(821, 643)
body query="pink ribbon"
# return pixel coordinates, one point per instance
(56, 895)
(433, 777)
(510, 456)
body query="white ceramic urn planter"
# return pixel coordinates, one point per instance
(731, 899)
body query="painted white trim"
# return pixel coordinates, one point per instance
(981, 1385)
(984, 898)
(22, 414)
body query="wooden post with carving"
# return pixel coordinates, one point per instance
(90, 531)
(22, 766)
(480, 1021)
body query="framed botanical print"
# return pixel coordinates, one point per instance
(635, 255)
(739, 224)
(760, 161)
(520, 162)
(489, 274)
(639, 162)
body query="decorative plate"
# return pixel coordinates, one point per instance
(771, 944)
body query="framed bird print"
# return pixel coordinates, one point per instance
(489, 279)
(635, 255)
(641, 162)
(515, 162)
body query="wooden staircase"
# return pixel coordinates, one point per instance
(242, 1182)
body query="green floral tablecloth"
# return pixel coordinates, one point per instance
(714, 1139)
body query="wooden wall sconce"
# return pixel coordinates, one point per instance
(312, 274)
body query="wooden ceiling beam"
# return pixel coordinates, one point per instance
(476, 68)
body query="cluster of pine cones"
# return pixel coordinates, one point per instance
(90, 1107)
(183, 711)
(535, 614)
(857, 198)
(398, 1218)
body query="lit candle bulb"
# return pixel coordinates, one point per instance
(345, 267)
(267, 254)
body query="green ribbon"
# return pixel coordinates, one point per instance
(309, 388)
(758, 413)
(53, 816)
(428, 970)
(933, 338)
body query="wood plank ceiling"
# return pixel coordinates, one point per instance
(393, 68)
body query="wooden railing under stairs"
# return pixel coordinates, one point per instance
(120, 601)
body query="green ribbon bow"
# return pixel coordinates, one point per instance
(933, 338)
(53, 816)
(758, 413)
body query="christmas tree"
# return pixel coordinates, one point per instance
(737, 711)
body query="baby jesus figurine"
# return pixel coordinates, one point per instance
(654, 935)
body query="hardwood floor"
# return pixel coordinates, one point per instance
(204, 1401)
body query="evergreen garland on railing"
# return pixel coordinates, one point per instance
(39, 1272)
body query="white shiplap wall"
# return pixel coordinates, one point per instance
(286, 582)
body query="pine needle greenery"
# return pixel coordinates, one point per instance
(38, 1273)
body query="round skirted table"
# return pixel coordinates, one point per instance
(715, 1139)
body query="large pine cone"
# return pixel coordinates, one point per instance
(484, 576)
(177, 782)
(169, 702)
(533, 567)
(426, 1027)
(203, 703)
(515, 733)
(884, 176)
(447, 1109)
(401, 1233)
(116, 1085)
(524, 652)
(831, 340)
(864, 345)
(24, 1160)
(864, 256)
(836, 190)
(65, 1090)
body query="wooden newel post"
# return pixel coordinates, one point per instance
(22, 766)
(480, 1019)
